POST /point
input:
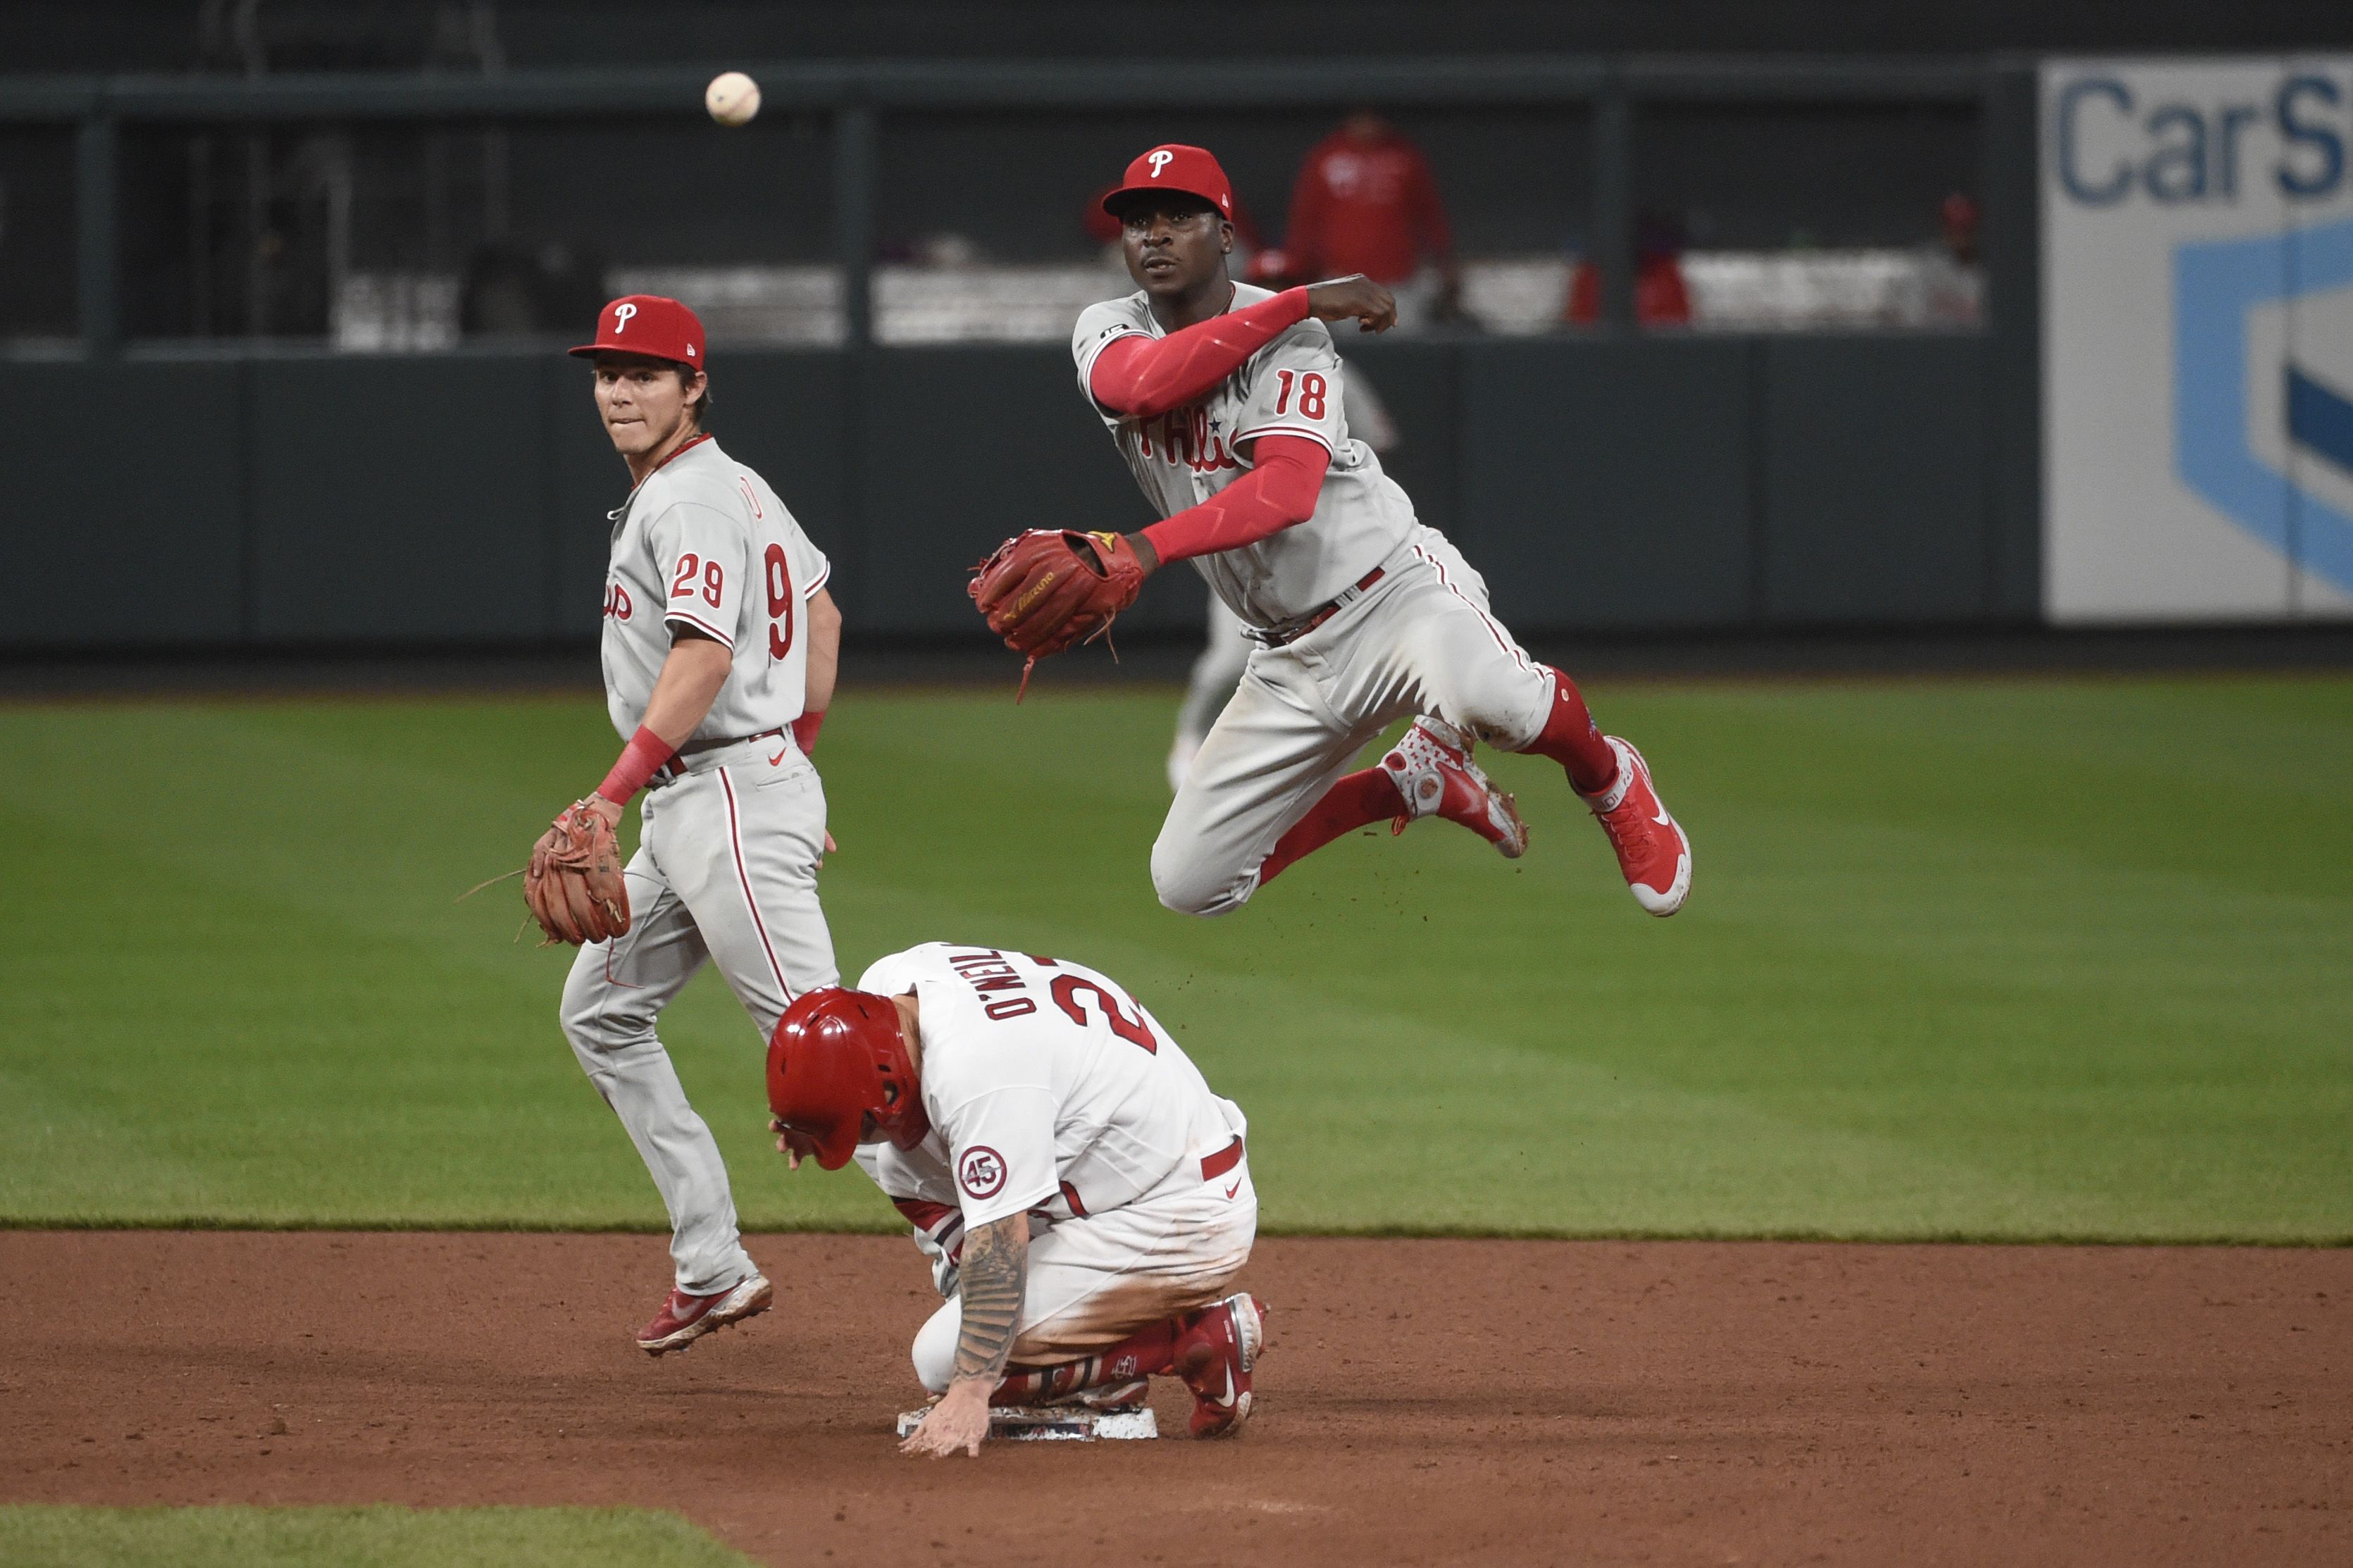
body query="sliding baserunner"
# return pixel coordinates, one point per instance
(1084, 1198)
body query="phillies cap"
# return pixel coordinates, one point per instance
(648, 324)
(1173, 166)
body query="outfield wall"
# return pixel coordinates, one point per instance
(1602, 485)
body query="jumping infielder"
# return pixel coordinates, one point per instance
(1225, 649)
(1226, 403)
(720, 646)
(1084, 1198)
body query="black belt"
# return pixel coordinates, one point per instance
(1276, 639)
(700, 747)
(671, 773)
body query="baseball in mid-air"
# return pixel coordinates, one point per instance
(733, 98)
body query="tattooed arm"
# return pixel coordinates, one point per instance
(996, 1281)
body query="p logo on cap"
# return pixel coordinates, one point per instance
(1176, 167)
(648, 324)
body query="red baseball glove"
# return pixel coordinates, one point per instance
(1050, 587)
(573, 883)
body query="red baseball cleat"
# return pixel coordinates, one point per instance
(1435, 776)
(685, 1319)
(1652, 851)
(1215, 1352)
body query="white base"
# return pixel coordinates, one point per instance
(1020, 1423)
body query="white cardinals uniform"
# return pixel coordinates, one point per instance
(733, 829)
(1052, 1091)
(1407, 630)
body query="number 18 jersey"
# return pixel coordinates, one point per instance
(1182, 458)
(703, 543)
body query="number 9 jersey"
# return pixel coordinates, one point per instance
(704, 545)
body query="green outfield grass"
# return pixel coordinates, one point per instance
(2003, 959)
(51, 1537)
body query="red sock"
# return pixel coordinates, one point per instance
(1368, 796)
(1150, 1353)
(1573, 739)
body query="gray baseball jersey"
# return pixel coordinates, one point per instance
(1293, 387)
(704, 543)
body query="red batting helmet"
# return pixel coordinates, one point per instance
(837, 1058)
(648, 324)
(1173, 166)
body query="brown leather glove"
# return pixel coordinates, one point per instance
(573, 883)
(1050, 587)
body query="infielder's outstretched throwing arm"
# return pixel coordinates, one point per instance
(719, 649)
(1083, 1195)
(1226, 401)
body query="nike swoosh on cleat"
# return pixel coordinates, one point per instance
(1226, 1401)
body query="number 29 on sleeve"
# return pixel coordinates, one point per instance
(714, 579)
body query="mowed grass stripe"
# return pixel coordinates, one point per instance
(1965, 959)
(49, 1536)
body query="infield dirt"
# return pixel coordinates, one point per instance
(1422, 1401)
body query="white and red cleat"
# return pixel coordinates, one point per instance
(1434, 776)
(1215, 1352)
(685, 1319)
(1652, 851)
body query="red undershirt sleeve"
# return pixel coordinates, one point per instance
(1146, 377)
(1285, 478)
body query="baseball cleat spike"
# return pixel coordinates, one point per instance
(1434, 776)
(685, 1319)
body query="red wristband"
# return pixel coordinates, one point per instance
(638, 759)
(805, 729)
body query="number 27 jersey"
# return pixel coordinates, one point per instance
(704, 544)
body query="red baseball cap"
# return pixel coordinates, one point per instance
(1173, 166)
(648, 324)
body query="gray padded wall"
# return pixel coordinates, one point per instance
(124, 524)
(1601, 484)
(959, 448)
(1607, 483)
(1875, 484)
(397, 501)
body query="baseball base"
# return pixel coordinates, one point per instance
(1024, 1424)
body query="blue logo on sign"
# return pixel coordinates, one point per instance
(2216, 285)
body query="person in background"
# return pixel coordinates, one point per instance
(1951, 277)
(1660, 300)
(1366, 202)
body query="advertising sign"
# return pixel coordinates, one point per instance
(2198, 339)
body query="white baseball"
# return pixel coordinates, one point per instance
(733, 98)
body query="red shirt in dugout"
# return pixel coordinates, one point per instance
(1366, 205)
